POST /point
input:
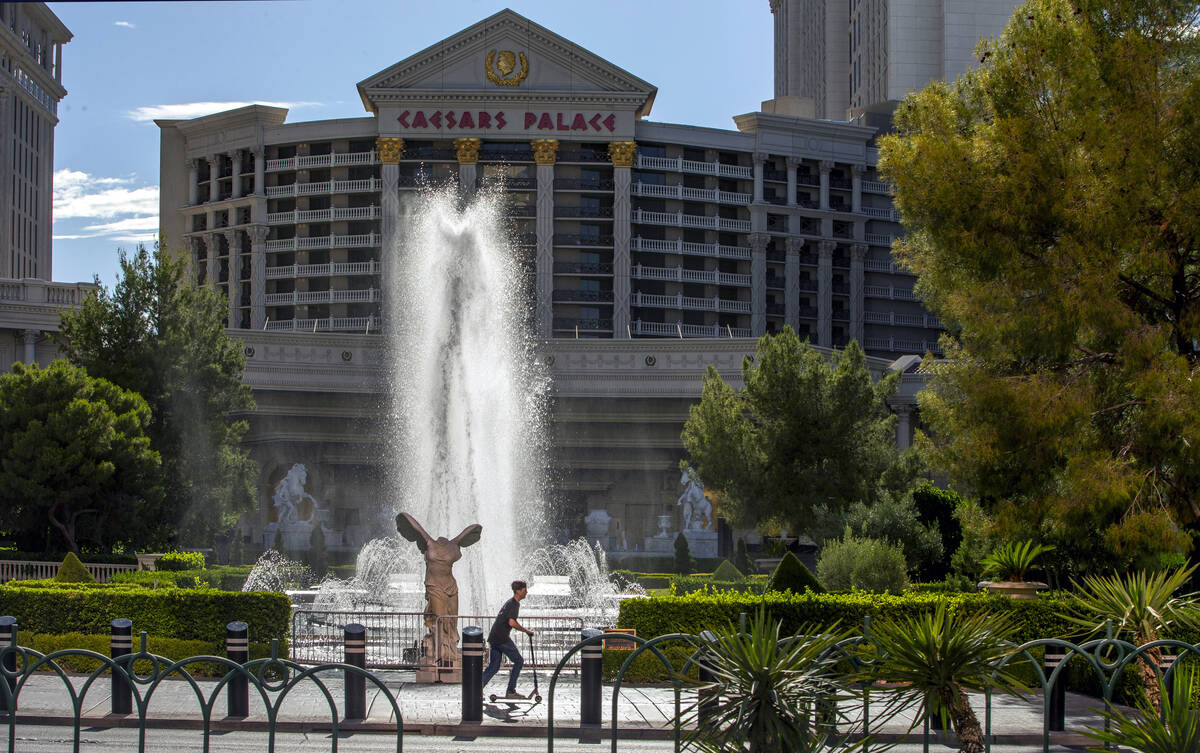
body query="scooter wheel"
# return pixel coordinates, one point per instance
(538, 699)
(492, 698)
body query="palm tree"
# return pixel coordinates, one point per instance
(1177, 730)
(1140, 606)
(776, 693)
(934, 658)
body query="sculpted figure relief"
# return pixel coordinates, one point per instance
(289, 494)
(697, 510)
(441, 590)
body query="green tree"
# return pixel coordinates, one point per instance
(1052, 202)
(802, 433)
(75, 462)
(158, 335)
(683, 555)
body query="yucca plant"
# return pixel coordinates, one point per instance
(1177, 730)
(777, 693)
(1011, 560)
(933, 659)
(1140, 606)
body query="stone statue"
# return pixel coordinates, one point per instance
(441, 590)
(290, 494)
(697, 510)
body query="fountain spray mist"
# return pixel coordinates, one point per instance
(468, 402)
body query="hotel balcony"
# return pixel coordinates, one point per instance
(679, 274)
(364, 324)
(685, 303)
(569, 240)
(681, 165)
(689, 249)
(322, 160)
(898, 345)
(885, 265)
(884, 291)
(591, 269)
(602, 213)
(325, 241)
(582, 296)
(679, 219)
(691, 194)
(568, 324)
(575, 184)
(323, 215)
(661, 329)
(304, 297)
(329, 186)
(928, 321)
(323, 270)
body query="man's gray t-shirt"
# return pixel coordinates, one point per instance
(501, 630)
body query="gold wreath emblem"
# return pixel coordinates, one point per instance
(500, 68)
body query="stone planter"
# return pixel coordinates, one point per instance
(1015, 590)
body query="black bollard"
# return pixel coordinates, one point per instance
(237, 649)
(120, 643)
(1058, 690)
(709, 699)
(356, 684)
(8, 632)
(590, 673)
(472, 674)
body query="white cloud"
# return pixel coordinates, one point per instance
(115, 207)
(124, 24)
(189, 110)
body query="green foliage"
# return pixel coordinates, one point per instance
(894, 517)
(741, 558)
(936, 657)
(681, 584)
(318, 560)
(157, 334)
(1177, 730)
(967, 560)
(727, 571)
(791, 575)
(223, 578)
(858, 562)
(684, 563)
(180, 561)
(801, 433)
(170, 648)
(57, 556)
(72, 571)
(1050, 204)
(646, 667)
(192, 614)
(1012, 559)
(936, 508)
(75, 462)
(771, 691)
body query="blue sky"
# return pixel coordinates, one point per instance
(132, 62)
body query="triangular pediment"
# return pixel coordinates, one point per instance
(506, 56)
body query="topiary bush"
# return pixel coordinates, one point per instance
(72, 571)
(741, 557)
(727, 572)
(180, 561)
(684, 565)
(791, 575)
(863, 563)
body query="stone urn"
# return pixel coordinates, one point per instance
(597, 523)
(1017, 590)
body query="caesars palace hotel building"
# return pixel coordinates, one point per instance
(651, 249)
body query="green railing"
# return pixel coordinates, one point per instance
(272, 678)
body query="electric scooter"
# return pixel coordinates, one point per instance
(532, 698)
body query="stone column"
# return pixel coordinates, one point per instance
(214, 178)
(759, 157)
(825, 293)
(234, 284)
(791, 283)
(391, 151)
(237, 173)
(826, 166)
(903, 426)
(758, 284)
(858, 252)
(856, 174)
(545, 151)
(792, 163)
(214, 244)
(467, 151)
(258, 276)
(260, 171)
(622, 154)
(193, 182)
(30, 338)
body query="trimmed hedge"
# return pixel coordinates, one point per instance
(72, 571)
(169, 648)
(686, 584)
(188, 614)
(226, 578)
(180, 561)
(646, 668)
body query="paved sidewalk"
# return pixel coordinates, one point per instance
(643, 712)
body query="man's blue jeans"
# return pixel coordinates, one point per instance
(509, 649)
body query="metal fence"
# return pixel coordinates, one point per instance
(394, 638)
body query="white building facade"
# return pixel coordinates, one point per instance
(651, 250)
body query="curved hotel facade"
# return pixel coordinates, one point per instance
(651, 250)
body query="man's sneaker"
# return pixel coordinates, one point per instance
(513, 694)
